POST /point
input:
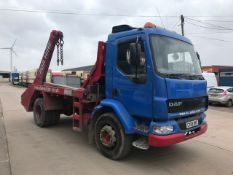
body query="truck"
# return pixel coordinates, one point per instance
(14, 78)
(146, 89)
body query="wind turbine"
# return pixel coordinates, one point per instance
(11, 51)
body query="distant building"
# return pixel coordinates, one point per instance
(4, 76)
(82, 72)
(214, 68)
(224, 74)
(83, 68)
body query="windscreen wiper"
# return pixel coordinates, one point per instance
(178, 76)
(185, 76)
(197, 77)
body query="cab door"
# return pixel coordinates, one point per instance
(134, 93)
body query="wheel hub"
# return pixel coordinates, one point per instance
(107, 136)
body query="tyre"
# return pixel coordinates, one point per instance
(44, 118)
(56, 117)
(229, 103)
(110, 137)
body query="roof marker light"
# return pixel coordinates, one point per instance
(149, 25)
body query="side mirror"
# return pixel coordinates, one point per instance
(135, 53)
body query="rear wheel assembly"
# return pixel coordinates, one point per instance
(44, 118)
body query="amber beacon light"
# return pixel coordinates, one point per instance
(149, 25)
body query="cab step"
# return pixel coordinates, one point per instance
(141, 143)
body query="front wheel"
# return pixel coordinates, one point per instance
(110, 137)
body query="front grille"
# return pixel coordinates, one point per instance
(181, 105)
(182, 121)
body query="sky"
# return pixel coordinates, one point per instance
(208, 24)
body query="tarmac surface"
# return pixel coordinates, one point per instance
(59, 150)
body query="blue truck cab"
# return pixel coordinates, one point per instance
(161, 96)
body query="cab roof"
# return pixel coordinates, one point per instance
(125, 30)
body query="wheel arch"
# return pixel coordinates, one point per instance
(37, 94)
(110, 105)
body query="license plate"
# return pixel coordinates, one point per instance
(191, 124)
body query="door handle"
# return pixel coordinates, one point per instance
(115, 92)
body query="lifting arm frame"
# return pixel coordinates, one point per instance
(29, 95)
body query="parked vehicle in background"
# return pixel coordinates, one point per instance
(23, 79)
(15, 78)
(211, 80)
(26, 78)
(221, 95)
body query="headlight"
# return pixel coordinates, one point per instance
(163, 129)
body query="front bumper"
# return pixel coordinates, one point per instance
(162, 141)
(221, 100)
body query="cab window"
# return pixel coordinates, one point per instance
(123, 61)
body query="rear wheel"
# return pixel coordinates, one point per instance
(229, 103)
(55, 117)
(110, 138)
(44, 118)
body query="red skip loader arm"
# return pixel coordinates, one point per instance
(98, 69)
(29, 95)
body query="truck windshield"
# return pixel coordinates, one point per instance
(174, 58)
